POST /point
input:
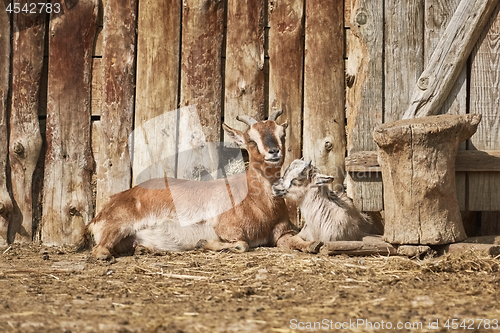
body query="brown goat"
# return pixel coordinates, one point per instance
(147, 215)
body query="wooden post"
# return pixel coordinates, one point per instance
(324, 116)
(244, 74)
(201, 72)
(364, 97)
(417, 157)
(286, 54)
(25, 139)
(157, 92)
(5, 200)
(484, 194)
(67, 200)
(117, 112)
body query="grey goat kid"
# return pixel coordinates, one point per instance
(328, 216)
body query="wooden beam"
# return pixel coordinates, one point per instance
(324, 91)
(117, 111)
(286, 53)
(447, 61)
(5, 57)
(25, 139)
(67, 199)
(364, 95)
(244, 74)
(467, 160)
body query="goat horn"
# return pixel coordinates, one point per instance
(247, 120)
(275, 115)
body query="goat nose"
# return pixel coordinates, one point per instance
(274, 151)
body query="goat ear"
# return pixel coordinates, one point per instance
(320, 179)
(236, 135)
(285, 125)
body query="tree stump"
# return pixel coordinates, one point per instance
(417, 157)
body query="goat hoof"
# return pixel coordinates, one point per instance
(201, 243)
(241, 247)
(101, 253)
(315, 247)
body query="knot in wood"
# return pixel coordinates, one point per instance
(328, 145)
(423, 82)
(72, 210)
(18, 148)
(2, 207)
(361, 18)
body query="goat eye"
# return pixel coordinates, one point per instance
(251, 142)
(296, 182)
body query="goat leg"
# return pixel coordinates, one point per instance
(295, 242)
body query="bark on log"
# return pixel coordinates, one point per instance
(25, 139)
(67, 202)
(449, 57)
(5, 200)
(417, 157)
(117, 114)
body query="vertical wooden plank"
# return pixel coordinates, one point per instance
(117, 113)
(25, 140)
(244, 73)
(67, 201)
(5, 56)
(324, 116)
(484, 187)
(157, 87)
(201, 66)
(438, 14)
(364, 99)
(286, 56)
(404, 54)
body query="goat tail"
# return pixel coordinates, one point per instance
(85, 242)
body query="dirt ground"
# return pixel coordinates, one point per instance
(45, 289)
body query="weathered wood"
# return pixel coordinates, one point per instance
(368, 246)
(6, 206)
(286, 54)
(417, 159)
(244, 72)
(157, 92)
(201, 66)
(404, 54)
(490, 223)
(484, 193)
(324, 116)
(364, 99)
(438, 14)
(479, 249)
(25, 140)
(67, 200)
(467, 160)
(117, 113)
(449, 57)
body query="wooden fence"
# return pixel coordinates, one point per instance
(82, 80)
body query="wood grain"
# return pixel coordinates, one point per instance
(404, 54)
(438, 15)
(244, 72)
(25, 140)
(201, 65)
(324, 116)
(157, 91)
(449, 57)
(286, 54)
(117, 113)
(5, 58)
(67, 201)
(364, 98)
(484, 188)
